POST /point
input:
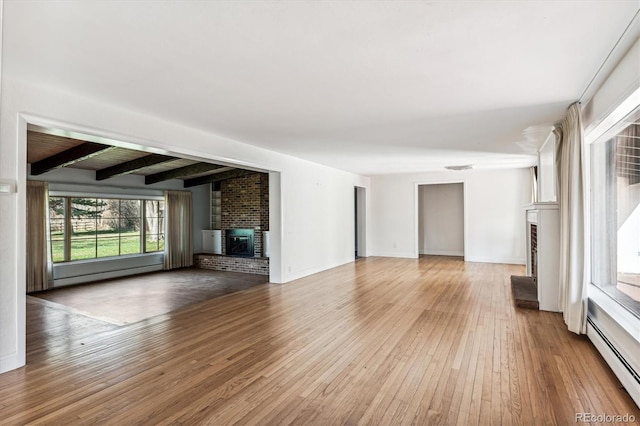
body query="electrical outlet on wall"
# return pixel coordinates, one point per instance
(6, 187)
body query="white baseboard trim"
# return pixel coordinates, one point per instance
(506, 260)
(105, 275)
(443, 252)
(395, 254)
(11, 362)
(296, 275)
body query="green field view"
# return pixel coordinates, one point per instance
(89, 245)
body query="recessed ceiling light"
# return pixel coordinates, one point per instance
(462, 167)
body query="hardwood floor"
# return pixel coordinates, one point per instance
(53, 328)
(131, 299)
(378, 341)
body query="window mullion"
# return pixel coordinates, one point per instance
(119, 227)
(143, 226)
(95, 224)
(67, 229)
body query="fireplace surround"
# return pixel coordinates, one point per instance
(543, 252)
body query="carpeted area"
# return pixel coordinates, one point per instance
(525, 292)
(131, 299)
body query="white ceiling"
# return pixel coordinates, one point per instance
(370, 87)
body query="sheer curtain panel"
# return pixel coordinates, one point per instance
(39, 268)
(178, 251)
(571, 197)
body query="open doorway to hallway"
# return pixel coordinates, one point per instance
(441, 219)
(359, 198)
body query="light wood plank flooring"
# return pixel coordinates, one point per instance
(378, 341)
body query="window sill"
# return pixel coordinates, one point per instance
(618, 313)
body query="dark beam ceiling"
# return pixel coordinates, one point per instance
(49, 152)
(218, 177)
(69, 156)
(132, 166)
(181, 172)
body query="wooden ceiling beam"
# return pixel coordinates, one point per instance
(69, 157)
(132, 166)
(185, 171)
(218, 177)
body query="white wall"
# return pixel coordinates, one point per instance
(317, 218)
(441, 219)
(313, 224)
(494, 222)
(547, 171)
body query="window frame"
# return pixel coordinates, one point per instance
(602, 135)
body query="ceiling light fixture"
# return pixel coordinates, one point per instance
(463, 167)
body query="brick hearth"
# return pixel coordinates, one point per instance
(218, 262)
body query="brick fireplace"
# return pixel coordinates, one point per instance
(244, 210)
(245, 205)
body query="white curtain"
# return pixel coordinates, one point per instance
(39, 267)
(570, 163)
(178, 249)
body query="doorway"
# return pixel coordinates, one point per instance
(359, 213)
(441, 219)
(107, 144)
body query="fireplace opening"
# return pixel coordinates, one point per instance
(534, 252)
(239, 242)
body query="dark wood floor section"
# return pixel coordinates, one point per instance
(378, 341)
(131, 299)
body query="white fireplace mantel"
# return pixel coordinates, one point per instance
(546, 265)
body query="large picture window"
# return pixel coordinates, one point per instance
(90, 228)
(615, 213)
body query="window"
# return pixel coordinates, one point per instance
(615, 212)
(154, 226)
(57, 228)
(90, 228)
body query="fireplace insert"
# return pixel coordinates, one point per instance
(239, 242)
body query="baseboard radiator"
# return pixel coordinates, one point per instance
(619, 360)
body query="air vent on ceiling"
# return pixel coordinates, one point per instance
(462, 167)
